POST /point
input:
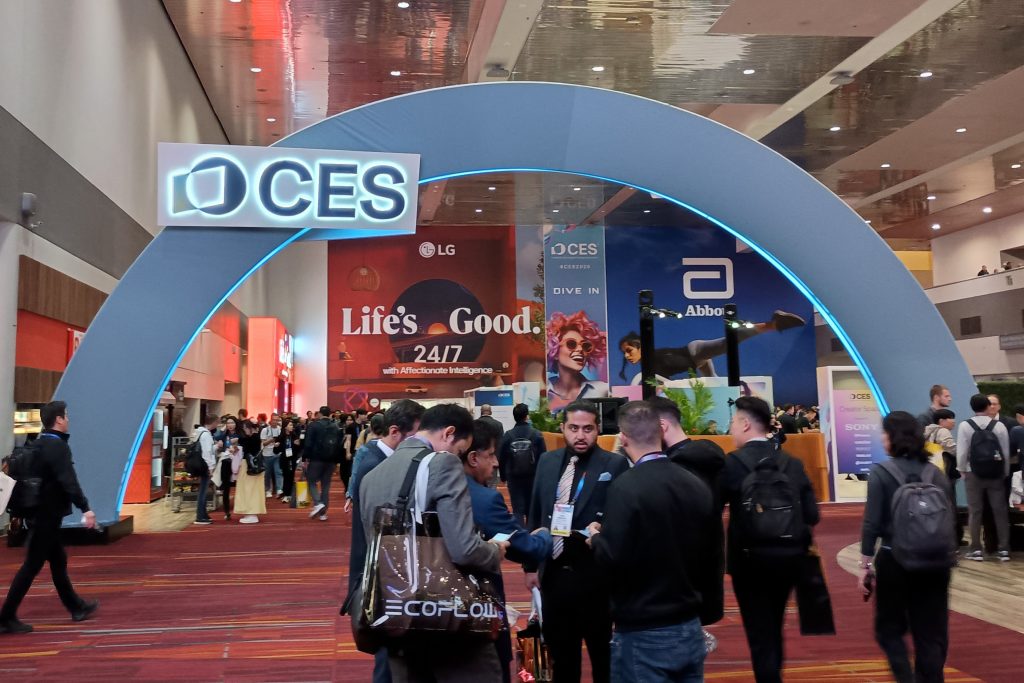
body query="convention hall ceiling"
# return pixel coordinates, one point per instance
(908, 109)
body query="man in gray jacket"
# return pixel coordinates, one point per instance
(447, 430)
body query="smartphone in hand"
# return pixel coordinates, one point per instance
(869, 585)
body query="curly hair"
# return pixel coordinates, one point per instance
(588, 329)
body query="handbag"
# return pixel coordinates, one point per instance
(254, 463)
(812, 599)
(410, 584)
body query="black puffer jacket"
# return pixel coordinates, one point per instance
(53, 464)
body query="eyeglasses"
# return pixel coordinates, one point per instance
(571, 344)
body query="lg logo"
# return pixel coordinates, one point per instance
(710, 269)
(219, 180)
(574, 249)
(429, 249)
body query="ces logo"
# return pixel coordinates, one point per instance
(429, 249)
(715, 269)
(574, 249)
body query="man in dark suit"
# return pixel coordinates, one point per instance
(487, 416)
(51, 462)
(401, 420)
(491, 516)
(763, 573)
(446, 430)
(705, 459)
(575, 600)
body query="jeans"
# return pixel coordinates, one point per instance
(43, 546)
(319, 472)
(915, 602)
(994, 490)
(520, 490)
(204, 491)
(670, 654)
(272, 478)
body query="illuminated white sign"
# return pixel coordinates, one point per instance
(274, 187)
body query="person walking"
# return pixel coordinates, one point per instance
(908, 598)
(318, 452)
(289, 448)
(250, 500)
(51, 462)
(520, 451)
(271, 459)
(983, 458)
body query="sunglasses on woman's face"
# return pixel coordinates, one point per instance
(571, 344)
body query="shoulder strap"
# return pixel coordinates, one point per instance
(894, 470)
(929, 474)
(410, 478)
(782, 460)
(991, 426)
(974, 425)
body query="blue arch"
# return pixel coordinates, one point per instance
(875, 306)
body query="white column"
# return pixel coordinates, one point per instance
(9, 250)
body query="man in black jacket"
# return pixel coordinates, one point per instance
(513, 463)
(575, 600)
(705, 459)
(318, 452)
(51, 462)
(651, 547)
(763, 574)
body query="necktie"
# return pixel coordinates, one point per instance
(564, 485)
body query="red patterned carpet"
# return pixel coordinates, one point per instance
(259, 603)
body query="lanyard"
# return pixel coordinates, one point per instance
(579, 489)
(649, 456)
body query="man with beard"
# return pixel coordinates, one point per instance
(568, 494)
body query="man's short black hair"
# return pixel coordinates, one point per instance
(581, 406)
(788, 407)
(943, 414)
(360, 411)
(638, 420)
(980, 403)
(325, 411)
(521, 412)
(446, 415)
(377, 427)
(666, 408)
(51, 411)
(756, 409)
(485, 435)
(403, 414)
(211, 419)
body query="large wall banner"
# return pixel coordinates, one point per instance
(576, 338)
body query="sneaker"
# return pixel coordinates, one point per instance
(85, 611)
(286, 499)
(14, 625)
(1004, 555)
(781, 320)
(975, 555)
(280, 492)
(316, 510)
(203, 522)
(249, 519)
(227, 517)
(323, 517)
(269, 494)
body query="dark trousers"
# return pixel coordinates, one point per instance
(914, 601)
(204, 492)
(576, 610)
(225, 485)
(43, 546)
(318, 474)
(762, 590)
(345, 471)
(287, 476)
(519, 491)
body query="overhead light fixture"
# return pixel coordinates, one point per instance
(842, 78)
(479, 210)
(598, 68)
(961, 130)
(926, 74)
(835, 129)
(255, 69)
(1014, 165)
(647, 210)
(931, 198)
(554, 210)
(749, 72)
(403, 5)
(396, 73)
(492, 188)
(235, 1)
(271, 119)
(987, 209)
(935, 226)
(868, 221)
(498, 71)
(886, 165)
(576, 189)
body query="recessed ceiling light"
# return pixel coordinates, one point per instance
(931, 198)
(396, 73)
(961, 130)
(835, 129)
(749, 72)
(1014, 165)
(235, 1)
(987, 209)
(403, 5)
(868, 221)
(886, 165)
(271, 119)
(492, 188)
(935, 226)
(926, 74)
(598, 68)
(479, 210)
(255, 69)
(554, 210)
(576, 189)
(647, 210)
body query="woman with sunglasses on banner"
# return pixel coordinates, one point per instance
(575, 343)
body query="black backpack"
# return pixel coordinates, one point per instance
(922, 520)
(329, 444)
(770, 516)
(194, 463)
(522, 457)
(27, 493)
(985, 454)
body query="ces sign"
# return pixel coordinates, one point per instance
(273, 187)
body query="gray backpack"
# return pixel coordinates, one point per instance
(922, 521)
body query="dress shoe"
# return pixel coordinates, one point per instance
(14, 625)
(85, 611)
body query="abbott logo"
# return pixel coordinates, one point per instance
(712, 269)
(429, 249)
(215, 186)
